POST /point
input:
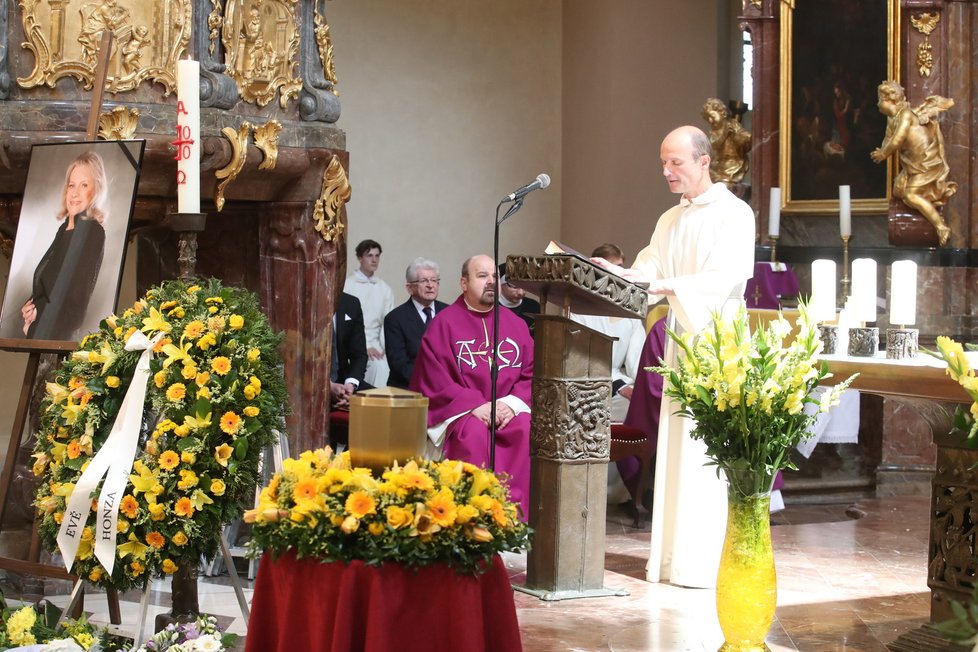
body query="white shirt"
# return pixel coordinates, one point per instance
(376, 300)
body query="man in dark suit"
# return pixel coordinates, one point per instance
(349, 351)
(405, 325)
(515, 299)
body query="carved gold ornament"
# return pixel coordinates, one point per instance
(757, 3)
(266, 140)
(118, 124)
(64, 36)
(239, 152)
(336, 192)
(325, 44)
(215, 20)
(261, 40)
(925, 24)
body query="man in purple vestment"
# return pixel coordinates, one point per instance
(452, 370)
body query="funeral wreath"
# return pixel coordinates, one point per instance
(214, 397)
(423, 512)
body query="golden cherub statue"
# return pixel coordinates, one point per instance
(730, 141)
(914, 133)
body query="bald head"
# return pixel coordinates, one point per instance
(479, 281)
(685, 155)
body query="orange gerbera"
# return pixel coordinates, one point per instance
(360, 503)
(442, 508)
(74, 449)
(220, 365)
(194, 329)
(156, 540)
(184, 507)
(176, 391)
(304, 490)
(129, 506)
(169, 460)
(231, 423)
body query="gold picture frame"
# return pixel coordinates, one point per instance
(834, 54)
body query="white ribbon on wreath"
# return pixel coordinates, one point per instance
(114, 462)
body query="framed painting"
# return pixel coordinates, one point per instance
(834, 55)
(69, 250)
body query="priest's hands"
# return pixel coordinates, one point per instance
(626, 273)
(504, 413)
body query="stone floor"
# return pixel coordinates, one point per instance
(850, 577)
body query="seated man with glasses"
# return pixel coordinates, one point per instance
(405, 325)
(516, 300)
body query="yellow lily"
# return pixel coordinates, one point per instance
(155, 322)
(176, 354)
(133, 547)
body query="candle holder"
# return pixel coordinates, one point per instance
(845, 269)
(829, 334)
(864, 341)
(186, 226)
(774, 248)
(901, 343)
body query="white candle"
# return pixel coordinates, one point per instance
(822, 305)
(903, 293)
(864, 289)
(188, 136)
(774, 215)
(845, 215)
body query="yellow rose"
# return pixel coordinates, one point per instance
(253, 354)
(236, 322)
(399, 517)
(251, 411)
(112, 381)
(169, 566)
(179, 539)
(218, 487)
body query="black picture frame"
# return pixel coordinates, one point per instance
(41, 236)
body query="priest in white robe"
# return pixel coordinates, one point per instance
(699, 258)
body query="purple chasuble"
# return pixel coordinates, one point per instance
(452, 370)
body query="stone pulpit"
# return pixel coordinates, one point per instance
(570, 427)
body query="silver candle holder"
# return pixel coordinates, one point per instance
(829, 334)
(864, 341)
(902, 343)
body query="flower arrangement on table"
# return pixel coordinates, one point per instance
(420, 513)
(747, 393)
(214, 398)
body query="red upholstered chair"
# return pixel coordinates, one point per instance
(339, 428)
(627, 441)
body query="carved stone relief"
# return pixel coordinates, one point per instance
(571, 420)
(954, 523)
(64, 36)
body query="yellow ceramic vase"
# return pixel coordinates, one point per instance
(747, 587)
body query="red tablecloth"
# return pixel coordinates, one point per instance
(308, 605)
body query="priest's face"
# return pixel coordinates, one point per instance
(479, 282)
(685, 172)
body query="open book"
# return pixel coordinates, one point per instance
(556, 247)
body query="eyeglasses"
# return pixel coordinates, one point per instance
(425, 281)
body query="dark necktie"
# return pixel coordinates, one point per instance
(427, 315)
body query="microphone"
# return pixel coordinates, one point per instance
(542, 181)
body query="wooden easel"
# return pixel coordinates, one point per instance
(32, 565)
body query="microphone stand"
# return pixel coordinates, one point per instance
(493, 364)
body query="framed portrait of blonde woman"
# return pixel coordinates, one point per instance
(69, 249)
